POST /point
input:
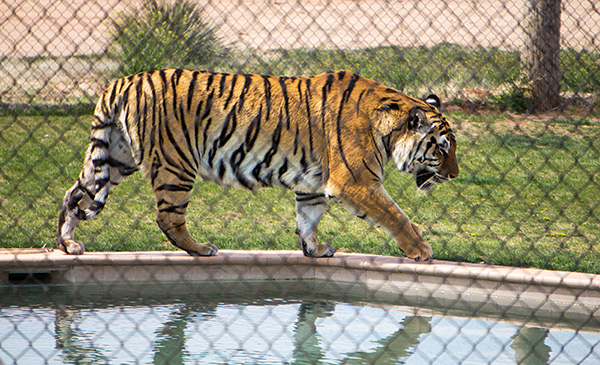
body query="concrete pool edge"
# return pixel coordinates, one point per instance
(486, 288)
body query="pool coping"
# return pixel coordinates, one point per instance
(487, 288)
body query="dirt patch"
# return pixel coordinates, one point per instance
(32, 28)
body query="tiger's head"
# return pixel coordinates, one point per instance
(423, 144)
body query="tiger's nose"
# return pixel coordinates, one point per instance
(453, 171)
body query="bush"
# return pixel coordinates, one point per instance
(165, 35)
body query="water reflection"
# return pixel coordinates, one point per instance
(388, 350)
(530, 347)
(200, 329)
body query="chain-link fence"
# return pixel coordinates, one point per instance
(527, 193)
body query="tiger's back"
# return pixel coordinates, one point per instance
(237, 130)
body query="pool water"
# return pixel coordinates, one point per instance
(87, 324)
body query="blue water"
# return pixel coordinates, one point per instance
(41, 327)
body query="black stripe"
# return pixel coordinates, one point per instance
(229, 126)
(301, 197)
(191, 90)
(345, 98)
(308, 116)
(253, 129)
(296, 139)
(138, 94)
(181, 173)
(209, 80)
(168, 161)
(286, 100)
(230, 96)
(341, 75)
(187, 135)
(242, 97)
(163, 78)
(209, 103)
(222, 85)
(113, 92)
(98, 124)
(236, 160)
(197, 128)
(175, 142)
(267, 96)
(275, 138)
(378, 155)
(112, 162)
(96, 206)
(77, 197)
(98, 163)
(177, 209)
(125, 107)
(143, 121)
(237, 157)
(326, 88)
(174, 83)
(213, 152)
(174, 187)
(100, 183)
(98, 143)
(283, 169)
(377, 177)
(205, 134)
(222, 169)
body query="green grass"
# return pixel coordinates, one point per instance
(527, 196)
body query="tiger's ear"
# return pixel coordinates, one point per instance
(433, 100)
(417, 120)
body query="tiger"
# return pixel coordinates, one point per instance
(326, 137)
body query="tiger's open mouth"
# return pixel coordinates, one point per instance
(425, 180)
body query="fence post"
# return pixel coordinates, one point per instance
(542, 48)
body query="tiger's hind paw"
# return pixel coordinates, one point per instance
(203, 249)
(71, 247)
(322, 250)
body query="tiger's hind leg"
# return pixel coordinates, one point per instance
(78, 198)
(309, 211)
(172, 198)
(80, 201)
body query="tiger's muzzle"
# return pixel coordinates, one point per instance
(425, 178)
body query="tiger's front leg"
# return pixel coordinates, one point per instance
(309, 211)
(376, 206)
(171, 201)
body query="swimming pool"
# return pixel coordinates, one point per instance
(279, 307)
(154, 323)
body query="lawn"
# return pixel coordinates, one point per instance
(527, 196)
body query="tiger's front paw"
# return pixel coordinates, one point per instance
(71, 247)
(420, 251)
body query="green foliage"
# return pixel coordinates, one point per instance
(517, 99)
(410, 69)
(580, 70)
(165, 34)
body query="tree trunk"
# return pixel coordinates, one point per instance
(542, 47)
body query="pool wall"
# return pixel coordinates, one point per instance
(445, 285)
